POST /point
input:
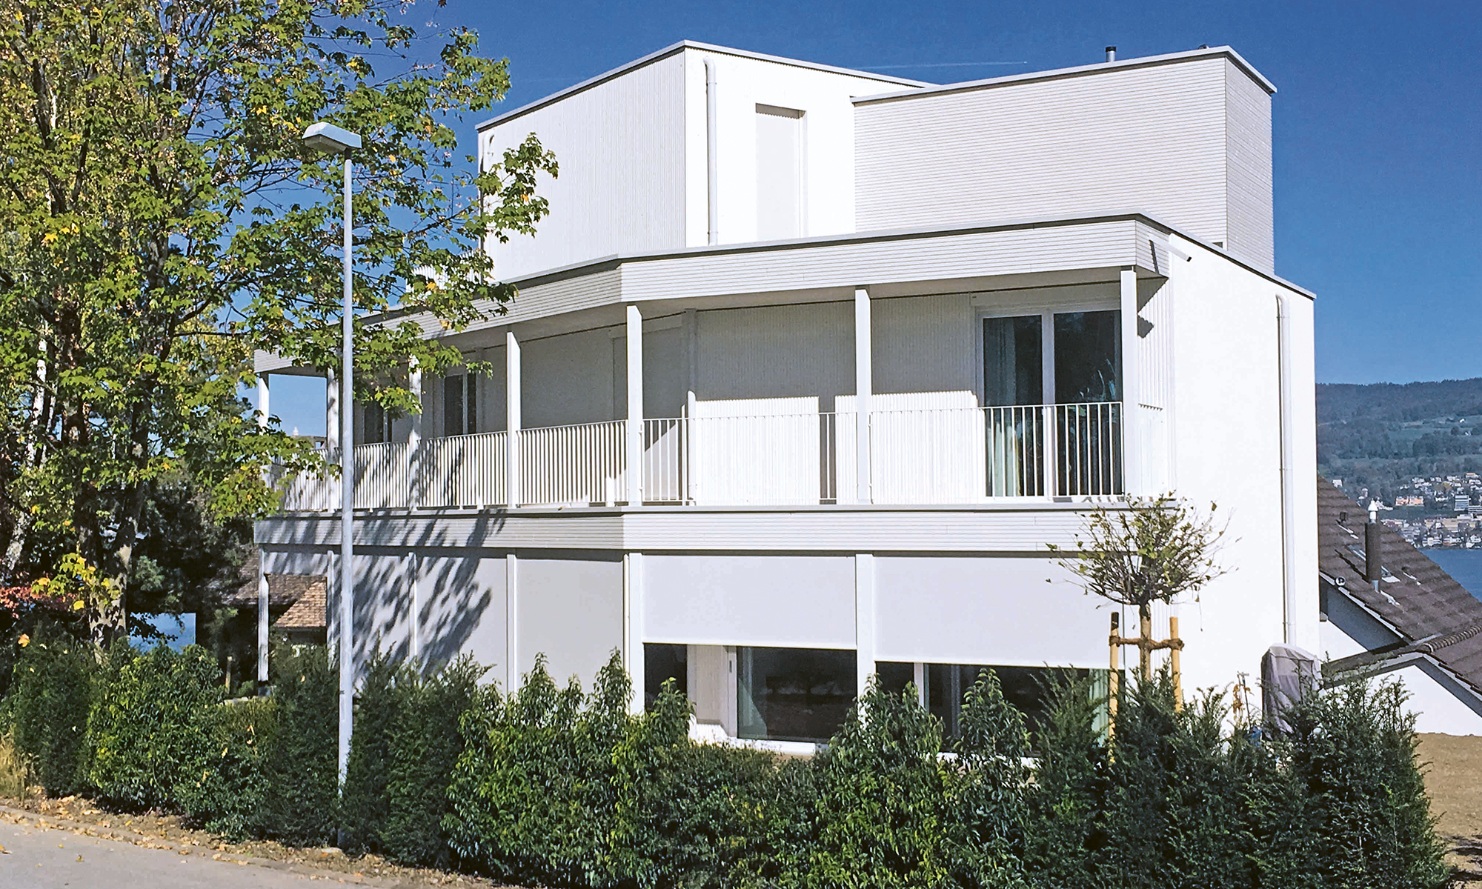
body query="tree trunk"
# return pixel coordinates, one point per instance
(1145, 641)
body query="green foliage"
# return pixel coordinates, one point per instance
(1173, 801)
(1066, 835)
(425, 745)
(1354, 750)
(364, 802)
(162, 219)
(226, 789)
(557, 788)
(148, 725)
(301, 771)
(882, 817)
(986, 789)
(49, 702)
(532, 796)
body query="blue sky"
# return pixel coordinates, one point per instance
(1378, 123)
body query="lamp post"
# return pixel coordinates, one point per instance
(331, 139)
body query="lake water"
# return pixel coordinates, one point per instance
(1463, 564)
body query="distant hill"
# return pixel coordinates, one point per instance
(1380, 435)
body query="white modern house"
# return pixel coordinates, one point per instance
(809, 365)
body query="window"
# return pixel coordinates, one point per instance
(662, 662)
(1069, 359)
(793, 694)
(377, 424)
(779, 173)
(1026, 688)
(460, 404)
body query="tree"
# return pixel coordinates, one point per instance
(1150, 550)
(160, 219)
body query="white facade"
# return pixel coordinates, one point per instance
(785, 459)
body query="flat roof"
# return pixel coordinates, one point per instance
(681, 46)
(1079, 71)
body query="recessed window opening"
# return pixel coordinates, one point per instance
(460, 404)
(661, 663)
(779, 173)
(793, 694)
(377, 424)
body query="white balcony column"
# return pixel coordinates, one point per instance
(634, 460)
(264, 407)
(511, 419)
(633, 627)
(1131, 372)
(864, 384)
(331, 412)
(262, 618)
(414, 438)
(864, 619)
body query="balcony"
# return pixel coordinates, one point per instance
(796, 456)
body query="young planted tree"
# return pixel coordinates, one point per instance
(160, 219)
(1148, 550)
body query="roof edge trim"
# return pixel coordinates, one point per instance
(1079, 71)
(679, 47)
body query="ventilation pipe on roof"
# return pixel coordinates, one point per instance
(1373, 557)
(1111, 53)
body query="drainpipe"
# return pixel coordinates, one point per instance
(1289, 583)
(712, 181)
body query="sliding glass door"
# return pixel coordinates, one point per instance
(1052, 384)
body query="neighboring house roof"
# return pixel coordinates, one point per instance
(309, 612)
(285, 593)
(1432, 614)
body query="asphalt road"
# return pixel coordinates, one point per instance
(36, 857)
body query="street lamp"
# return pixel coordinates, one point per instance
(328, 138)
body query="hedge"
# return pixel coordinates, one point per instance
(562, 787)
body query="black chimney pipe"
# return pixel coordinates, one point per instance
(1373, 549)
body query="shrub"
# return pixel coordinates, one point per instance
(425, 747)
(301, 769)
(881, 805)
(51, 695)
(364, 803)
(533, 796)
(986, 789)
(1353, 749)
(1173, 803)
(689, 814)
(148, 725)
(1065, 835)
(227, 788)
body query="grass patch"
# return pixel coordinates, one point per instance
(15, 771)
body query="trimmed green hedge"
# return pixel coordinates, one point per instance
(50, 698)
(559, 787)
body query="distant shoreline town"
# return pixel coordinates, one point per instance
(1440, 512)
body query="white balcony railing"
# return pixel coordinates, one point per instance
(917, 456)
(463, 470)
(573, 465)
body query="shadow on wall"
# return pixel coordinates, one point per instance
(460, 600)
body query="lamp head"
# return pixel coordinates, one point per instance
(330, 139)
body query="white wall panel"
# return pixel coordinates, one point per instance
(569, 379)
(777, 352)
(463, 600)
(990, 610)
(620, 146)
(1248, 170)
(789, 601)
(742, 83)
(924, 344)
(1145, 139)
(572, 611)
(1226, 447)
